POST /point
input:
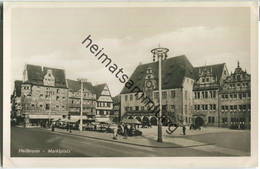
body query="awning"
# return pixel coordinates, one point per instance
(73, 120)
(56, 119)
(103, 120)
(78, 117)
(70, 121)
(131, 121)
(38, 116)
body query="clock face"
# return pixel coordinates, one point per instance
(149, 84)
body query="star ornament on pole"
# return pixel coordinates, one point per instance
(82, 80)
(161, 54)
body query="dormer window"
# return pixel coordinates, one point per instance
(238, 77)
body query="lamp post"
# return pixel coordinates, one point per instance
(160, 53)
(81, 103)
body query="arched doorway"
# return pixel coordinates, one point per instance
(164, 121)
(130, 117)
(153, 121)
(138, 118)
(199, 122)
(145, 120)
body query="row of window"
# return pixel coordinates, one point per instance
(129, 108)
(88, 102)
(47, 106)
(86, 94)
(233, 85)
(104, 112)
(236, 95)
(156, 96)
(103, 104)
(26, 87)
(233, 120)
(205, 94)
(211, 119)
(134, 108)
(57, 97)
(48, 89)
(84, 108)
(164, 95)
(236, 107)
(205, 107)
(205, 79)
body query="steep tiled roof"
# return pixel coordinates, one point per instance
(99, 88)
(173, 72)
(217, 70)
(74, 85)
(116, 99)
(17, 87)
(36, 74)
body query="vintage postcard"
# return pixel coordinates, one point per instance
(130, 85)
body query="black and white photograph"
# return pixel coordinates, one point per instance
(130, 81)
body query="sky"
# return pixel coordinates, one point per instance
(52, 37)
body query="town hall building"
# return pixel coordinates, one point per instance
(177, 85)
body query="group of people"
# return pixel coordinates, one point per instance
(68, 127)
(125, 130)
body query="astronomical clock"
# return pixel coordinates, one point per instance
(149, 83)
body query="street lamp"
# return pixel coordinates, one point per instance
(160, 53)
(81, 103)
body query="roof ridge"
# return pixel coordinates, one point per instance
(211, 65)
(52, 68)
(100, 84)
(169, 58)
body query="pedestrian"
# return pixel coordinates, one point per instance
(115, 133)
(184, 130)
(67, 126)
(70, 126)
(52, 127)
(125, 131)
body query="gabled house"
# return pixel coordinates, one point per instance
(74, 99)
(208, 82)
(104, 100)
(44, 94)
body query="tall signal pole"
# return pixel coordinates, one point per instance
(160, 53)
(81, 103)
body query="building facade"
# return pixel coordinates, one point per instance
(204, 95)
(115, 116)
(44, 94)
(177, 85)
(16, 108)
(235, 100)
(207, 86)
(104, 101)
(74, 100)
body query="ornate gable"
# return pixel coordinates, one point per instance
(49, 79)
